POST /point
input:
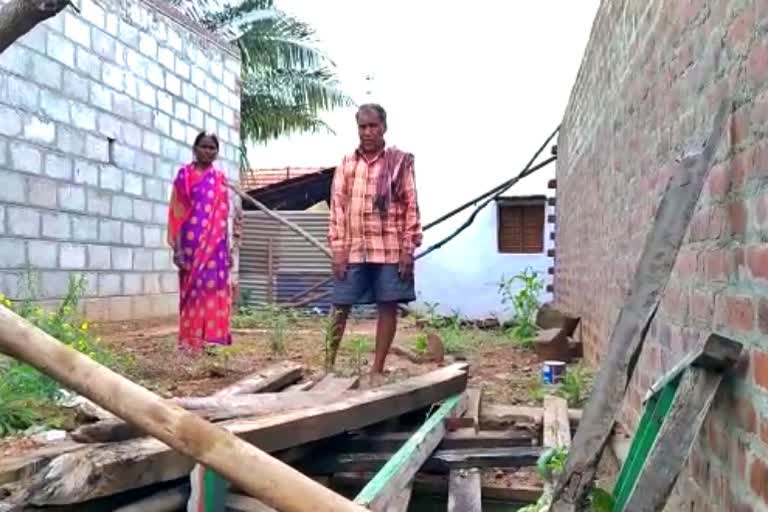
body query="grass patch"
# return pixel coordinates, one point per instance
(575, 387)
(29, 397)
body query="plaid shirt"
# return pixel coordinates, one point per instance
(360, 232)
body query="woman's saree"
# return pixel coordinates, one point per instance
(198, 217)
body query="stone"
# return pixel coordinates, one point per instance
(13, 189)
(43, 254)
(131, 134)
(189, 92)
(151, 143)
(148, 46)
(99, 257)
(88, 63)
(133, 284)
(70, 141)
(165, 102)
(152, 236)
(151, 283)
(71, 256)
(110, 285)
(35, 39)
(132, 234)
(122, 258)
(61, 49)
(155, 75)
(21, 93)
(113, 76)
(196, 118)
(58, 167)
(85, 229)
(77, 30)
(47, 72)
(145, 164)
(122, 207)
(38, 130)
(83, 116)
(101, 96)
(42, 192)
(71, 197)
(172, 84)
(98, 202)
(142, 210)
(75, 86)
(166, 58)
(54, 285)
(108, 125)
(182, 69)
(128, 34)
(57, 226)
(23, 222)
(159, 213)
(86, 173)
(124, 157)
(134, 184)
(143, 260)
(110, 231)
(97, 148)
(26, 158)
(143, 114)
(147, 94)
(12, 253)
(136, 63)
(104, 45)
(131, 86)
(203, 101)
(174, 40)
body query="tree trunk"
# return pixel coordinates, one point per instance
(20, 16)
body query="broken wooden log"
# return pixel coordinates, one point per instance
(272, 378)
(653, 270)
(116, 467)
(500, 417)
(333, 384)
(277, 484)
(215, 408)
(440, 462)
(556, 427)
(399, 470)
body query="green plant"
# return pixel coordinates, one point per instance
(420, 344)
(28, 396)
(360, 345)
(520, 295)
(576, 385)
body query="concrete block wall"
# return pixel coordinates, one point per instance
(651, 80)
(97, 112)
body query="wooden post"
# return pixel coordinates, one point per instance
(270, 273)
(275, 483)
(465, 485)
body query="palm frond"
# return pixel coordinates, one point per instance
(265, 118)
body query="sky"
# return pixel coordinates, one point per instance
(472, 89)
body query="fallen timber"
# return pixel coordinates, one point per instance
(278, 485)
(115, 467)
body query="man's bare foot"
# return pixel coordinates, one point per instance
(376, 379)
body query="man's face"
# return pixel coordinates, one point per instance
(371, 130)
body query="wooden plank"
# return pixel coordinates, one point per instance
(461, 439)
(653, 270)
(116, 467)
(401, 501)
(500, 417)
(334, 384)
(557, 430)
(465, 490)
(400, 469)
(240, 503)
(673, 445)
(222, 408)
(272, 378)
(441, 461)
(300, 386)
(187, 434)
(455, 419)
(168, 500)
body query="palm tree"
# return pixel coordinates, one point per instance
(286, 80)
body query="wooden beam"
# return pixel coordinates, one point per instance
(117, 467)
(334, 385)
(653, 270)
(399, 470)
(556, 430)
(441, 461)
(401, 501)
(500, 417)
(465, 485)
(460, 439)
(455, 419)
(279, 485)
(272, 378)
(240, 503)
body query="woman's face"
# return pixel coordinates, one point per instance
(206, 150)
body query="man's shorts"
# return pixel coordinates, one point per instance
(372, 283)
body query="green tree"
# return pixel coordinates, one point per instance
(286, 79)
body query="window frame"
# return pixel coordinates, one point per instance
(516, 202)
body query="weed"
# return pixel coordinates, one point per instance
(420, 344)
(574, 387)
(27, 396)
(360, 345)
(523, 301)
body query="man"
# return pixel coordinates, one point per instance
(374, 230)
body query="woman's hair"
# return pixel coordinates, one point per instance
(202, 135)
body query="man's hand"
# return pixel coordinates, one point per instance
(339, 267)
(406, 266)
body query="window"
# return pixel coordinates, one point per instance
(521, 224)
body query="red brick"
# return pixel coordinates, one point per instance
(702, 306)
(757, 62)
(738, 460)
(762, 211)
(758, 478)
(759, 366)
(737, 313)
(741, 166)
(716, 265)
(737, 219)
(718, 182)
(740, 31)
(757, 261)
(736, 261)
(762, 315)
(739, 128)
(686, 263)
(747, 415)
(764, 430)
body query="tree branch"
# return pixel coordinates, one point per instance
(20, 16)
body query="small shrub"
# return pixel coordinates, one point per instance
(575, 387)
(360, 346)
(523, 303)
(420, 344)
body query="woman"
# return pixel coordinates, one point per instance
(197, 233)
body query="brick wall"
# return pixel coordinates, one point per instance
(652, 77)
(97, 112)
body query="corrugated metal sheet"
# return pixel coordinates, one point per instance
(296, 264)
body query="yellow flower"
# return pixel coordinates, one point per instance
(91, 354)
(7, 303)
(84, 326)
(2, 297)
(67, 326)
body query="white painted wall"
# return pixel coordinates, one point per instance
(472, 92)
